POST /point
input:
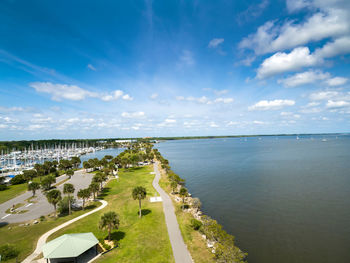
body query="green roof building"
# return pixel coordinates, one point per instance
(71, 248)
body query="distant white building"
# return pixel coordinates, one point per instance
(125, 141)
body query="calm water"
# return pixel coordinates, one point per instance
(285, 200)
(100, 154)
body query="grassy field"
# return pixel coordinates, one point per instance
(12, 192)
(140, 240)
(193, 239)
(26, 237)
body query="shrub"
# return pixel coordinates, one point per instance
(18, 179)
(42, 218)
(8, 251)
(196, 224)
(3, 187)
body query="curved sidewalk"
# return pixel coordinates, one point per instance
(42, 239)
(180, 250)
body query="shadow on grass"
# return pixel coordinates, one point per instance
(104, 193)
(132, 169)
(2, 224)
(119, 235)
(144, 212)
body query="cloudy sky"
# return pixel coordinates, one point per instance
(87, 69)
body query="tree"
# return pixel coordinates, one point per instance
(86, 165)
(68, 189)
(47, 181)
(173, 185)
(33, 186)
(109, 221)
(139, 193)
(18, 179)
(29, 174)
(94, 187)
(183, 193)
(98, 178)
(196, 203)
(84, 194)
(75, 161)
(53, 197)
(70, 173)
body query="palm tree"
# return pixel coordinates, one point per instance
(98, 178)
(139, 193)
(53, 197)
(183, 193)
(109, 220)
(68, 189)
(94, 187)
(84, 194)
(33, 186)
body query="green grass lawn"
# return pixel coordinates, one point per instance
(141, 240)
(12, 192)
(26, 237)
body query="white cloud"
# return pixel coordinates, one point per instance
(127, 97)
(187, 58)
(296, 5)
(336, 81)
(324, 95)
(213, 125)
(223, 100)
(303, 78)
(205, 100)
(259, 122)
(138, 114)
(271, 37)
(154, 96)
(215, 42)
(312, 76)
(3, 126)
(62, 91)
(170, 120)
(337, 104)
(337, 47)
(283, 62)
(91, 67)
(112, 96)
(271, 105)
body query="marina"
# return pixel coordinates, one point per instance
(15, 162)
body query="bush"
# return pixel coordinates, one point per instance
(105, 246)
(3, 187)
(18, 179)
(42, 218)
(196, 224)
(8, 251)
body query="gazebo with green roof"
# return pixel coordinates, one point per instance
(70, 247)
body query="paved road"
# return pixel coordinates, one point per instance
(43, 238)
(180, 250)
(80, 180)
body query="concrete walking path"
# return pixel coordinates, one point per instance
(180, 251)
(43, 238)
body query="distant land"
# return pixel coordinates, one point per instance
(49, 143)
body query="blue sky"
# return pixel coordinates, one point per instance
(93, 69)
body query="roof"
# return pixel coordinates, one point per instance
(69, 245)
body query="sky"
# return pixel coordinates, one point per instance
(116, 69)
